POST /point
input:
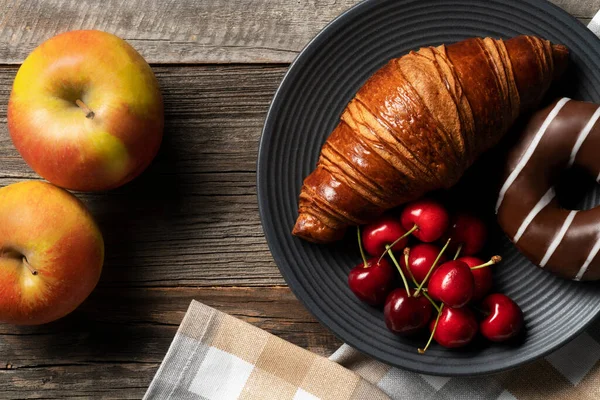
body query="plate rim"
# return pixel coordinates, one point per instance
(327, 33)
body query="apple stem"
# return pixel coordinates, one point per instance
(414, 228)
(406, 254)
(423, 350)
(432, 267)
(29, 267)
(88, 113)
(360, 247)
(493, 260)
(460, 246)
(389, 250)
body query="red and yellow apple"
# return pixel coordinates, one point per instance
(51, 253)
(85, 111)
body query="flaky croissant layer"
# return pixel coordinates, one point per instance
(418, 123)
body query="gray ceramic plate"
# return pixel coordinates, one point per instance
(307, 107)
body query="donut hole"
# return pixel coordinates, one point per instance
(577, 190)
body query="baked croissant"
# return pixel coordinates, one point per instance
(418, 123)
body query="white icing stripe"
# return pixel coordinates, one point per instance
(588, 261)
(525, 158)
(598, 178)
(558, 238)
(583, 135)
(543, 202)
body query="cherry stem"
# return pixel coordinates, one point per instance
(422, 351)
(406, 254)
(432, 267)
(88, 113)
(389, 250)
(460, 246)
(29, 267)
(432, 302)
(493, 260)
(360, 247)
(414, 228)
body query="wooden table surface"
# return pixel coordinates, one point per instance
(188, 228)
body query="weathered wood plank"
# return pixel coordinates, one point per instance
(121, 336)
(192, 218)
(188, 31)
(214, 116)
(172, 31)
(121, 380)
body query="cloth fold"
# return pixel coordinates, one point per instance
(594, 24)
(215, 356)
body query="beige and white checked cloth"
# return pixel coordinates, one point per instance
(215, 356)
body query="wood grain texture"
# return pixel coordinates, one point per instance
(175, 31)
(188, 228)
(113, 344)
(192, 218)
(188, 31)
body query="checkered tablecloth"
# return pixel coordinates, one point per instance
(217, 357)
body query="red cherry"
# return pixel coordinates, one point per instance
(406, 315)
(455, 328)
(420, 259)
(482, 277)
(505, 318)
(383, 231)
(372, 283)
(452, 283)
(430, 217)
(467, 232)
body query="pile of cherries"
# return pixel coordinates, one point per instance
(430, 280)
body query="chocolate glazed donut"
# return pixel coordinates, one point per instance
(565, 242)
